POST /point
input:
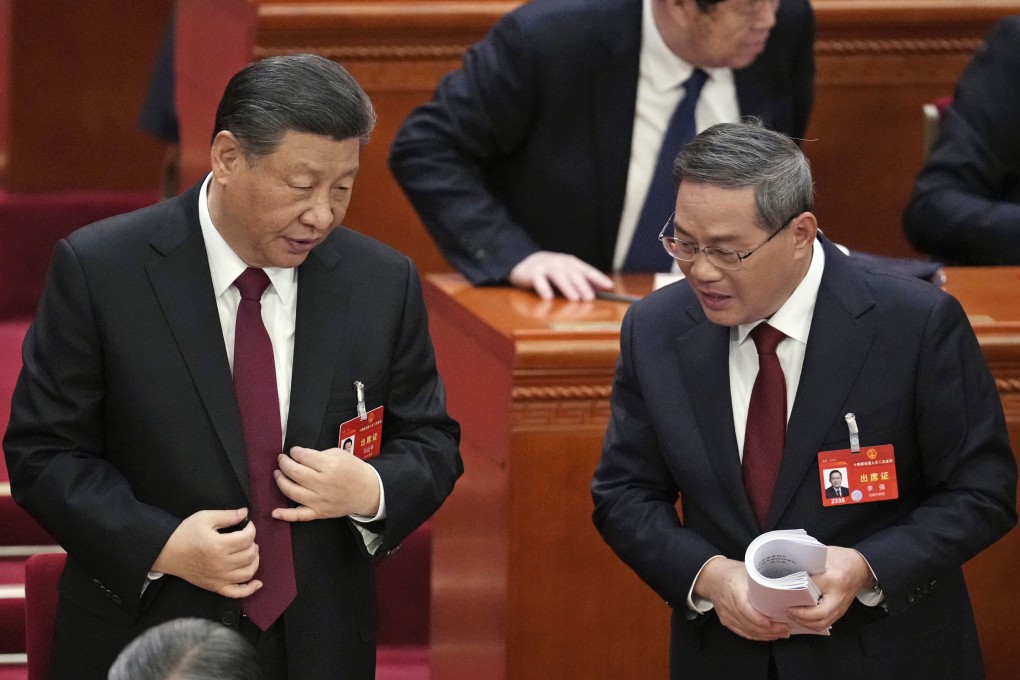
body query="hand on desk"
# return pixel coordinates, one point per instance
(200, 554)
(546, 272)
(331, 483)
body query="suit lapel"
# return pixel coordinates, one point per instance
(837, 348)
(703, 354)
(612, 98)
(183, 288)
(322, 313)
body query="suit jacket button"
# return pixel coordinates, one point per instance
(910, 598)
(229, 618)
(116, 599)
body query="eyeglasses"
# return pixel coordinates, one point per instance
(723, 258)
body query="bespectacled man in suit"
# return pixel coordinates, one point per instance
(897, 352)
(836, 488)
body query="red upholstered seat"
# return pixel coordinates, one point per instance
(31, 224)
(402, 583)
(12, 334)
(41, 575)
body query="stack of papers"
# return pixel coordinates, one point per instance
(779, 568)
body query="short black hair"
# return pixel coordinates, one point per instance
(293, 93)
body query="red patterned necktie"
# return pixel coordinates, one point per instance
(258, 403)
(765, 436)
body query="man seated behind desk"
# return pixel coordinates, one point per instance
(185, 382)
(533, 162)
(732, 393)
(965, 208)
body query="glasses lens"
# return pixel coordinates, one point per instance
(681, 250)
(724, 259)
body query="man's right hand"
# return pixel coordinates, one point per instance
(723, 582)
(224, 563)
(545, 272)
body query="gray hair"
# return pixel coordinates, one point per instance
(745, 154)
(293, 93)
(187, 649)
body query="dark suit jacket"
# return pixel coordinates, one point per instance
(124, 422)
(830, 492)
(965, 208)
(527, 147)
(901, 355)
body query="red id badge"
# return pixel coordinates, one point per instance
(363, 437)
(848, 478)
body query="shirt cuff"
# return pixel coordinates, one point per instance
(149, 578)
(372, 540)
(696, 603)
(870, 596)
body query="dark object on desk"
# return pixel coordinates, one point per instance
(926, 270)
(616, 297)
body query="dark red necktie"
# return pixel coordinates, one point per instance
(765, 436)
(258, 403)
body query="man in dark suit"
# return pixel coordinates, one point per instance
(532, 163)
(965, 208)
(896, 352)
(130, 444)
(836, 488)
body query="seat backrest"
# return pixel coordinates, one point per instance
(42, 572)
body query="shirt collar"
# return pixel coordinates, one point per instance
(225, 265)
(794, 317)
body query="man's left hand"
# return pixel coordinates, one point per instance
(846, 573)
(331, 483)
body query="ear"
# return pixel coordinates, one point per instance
(805, 228)
(225, 155)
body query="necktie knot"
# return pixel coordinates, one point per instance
(252, 283)
(692, 86)
(766, 338)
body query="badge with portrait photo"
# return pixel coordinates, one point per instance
(848, 478)
(363, 436)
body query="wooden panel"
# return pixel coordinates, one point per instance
(5, 77)
(524, 587)
(878, 62)
(992, 300)
(78, 73)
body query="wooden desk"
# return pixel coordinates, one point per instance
(523, 586)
